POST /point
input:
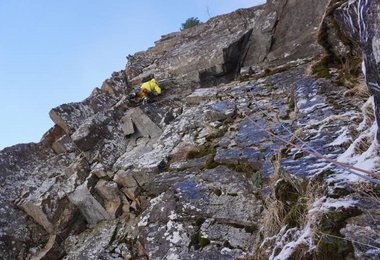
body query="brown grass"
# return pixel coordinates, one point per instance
(358, 90)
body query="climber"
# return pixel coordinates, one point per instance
(148, 91)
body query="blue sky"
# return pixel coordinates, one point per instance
(55, 52)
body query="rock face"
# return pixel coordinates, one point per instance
(194, 55)
(272, 42)
(254, 38)
(215, 168)
(360, 21)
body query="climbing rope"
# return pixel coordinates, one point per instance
(347, 167)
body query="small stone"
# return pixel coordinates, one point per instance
(127, 125)
(63, 145)
(125, 179)
(220, 111)
(99, 171)
(109, 191)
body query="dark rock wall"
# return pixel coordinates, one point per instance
(182, 56)
(360, 21)
(285, 31)
(369, 24)
(214, 52)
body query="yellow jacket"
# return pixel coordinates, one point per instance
(150, 87)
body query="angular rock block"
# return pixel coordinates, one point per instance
(38, 215)
(143, 123)
(220, 111)
(99, 170)
(127, 125)
(125, 179)
(109, 191)
(63, 145)
(131, 180)
(84, 138)
(90, 208)
(201, 95)
(52, 135)
(70, 116)
(80, 169)
(91, 130)
(115, 85)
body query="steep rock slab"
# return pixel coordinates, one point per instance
(224, 199)
(261, 38)
(359, 21)
(272, 42)
(144, 124)
(369, 22)
(214, 52)
(200, 54)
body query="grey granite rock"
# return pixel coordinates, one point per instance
(70, 116)
(91, 209)
(221, 111)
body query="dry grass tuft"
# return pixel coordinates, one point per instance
(359, 90)
(273, 218)
(369, 114)
(362, 144)
(289, 212)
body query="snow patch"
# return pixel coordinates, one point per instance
(343, 138)
(313, 107)
(330, 204)
(369, 159)
(143, 222)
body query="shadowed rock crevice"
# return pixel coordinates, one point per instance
(233, 57)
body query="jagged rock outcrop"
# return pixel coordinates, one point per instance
(205, 54)
(216, 51)
(215, 168)
(349, 34)
(360, 22)
(272, 42)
